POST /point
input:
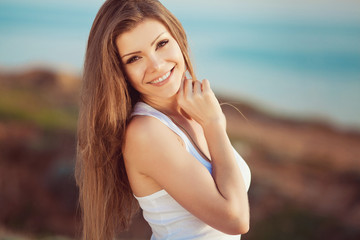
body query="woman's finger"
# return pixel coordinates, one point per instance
(205, 85)
(188, 88)
(197, 87)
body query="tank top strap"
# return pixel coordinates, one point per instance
(142, 108)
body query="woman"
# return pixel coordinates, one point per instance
(149, 135)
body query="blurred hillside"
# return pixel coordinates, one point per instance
(305, 175)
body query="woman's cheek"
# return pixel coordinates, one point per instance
(176, 52)
(133, 72)
(131, 76)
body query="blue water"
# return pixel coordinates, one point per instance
(300, 66)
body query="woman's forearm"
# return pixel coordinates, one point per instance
(226, 173)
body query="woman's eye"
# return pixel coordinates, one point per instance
(132, 59)
(162, 43)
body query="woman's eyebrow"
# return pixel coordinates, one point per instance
(152, 43)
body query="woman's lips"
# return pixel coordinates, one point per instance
(162, 80)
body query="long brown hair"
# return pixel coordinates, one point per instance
(105, 198)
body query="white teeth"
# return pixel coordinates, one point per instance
(160, 79)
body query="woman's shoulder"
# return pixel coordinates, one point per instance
(145, 140)
(142, 126)
(144, 131)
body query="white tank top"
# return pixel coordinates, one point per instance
(167, 218)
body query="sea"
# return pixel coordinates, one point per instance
(298, 59)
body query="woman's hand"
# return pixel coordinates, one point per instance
(199, 102)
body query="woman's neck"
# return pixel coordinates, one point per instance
(168, 106)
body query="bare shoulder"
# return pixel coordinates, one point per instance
(141, 129)
(146, 134)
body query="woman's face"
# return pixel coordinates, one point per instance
(152, 59)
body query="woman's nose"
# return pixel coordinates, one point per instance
(155, 63)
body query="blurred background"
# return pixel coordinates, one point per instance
(291, 67)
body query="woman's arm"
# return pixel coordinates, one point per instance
(199, 102)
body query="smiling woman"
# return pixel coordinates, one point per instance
(149, 135)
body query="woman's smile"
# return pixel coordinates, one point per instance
(162, 80)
